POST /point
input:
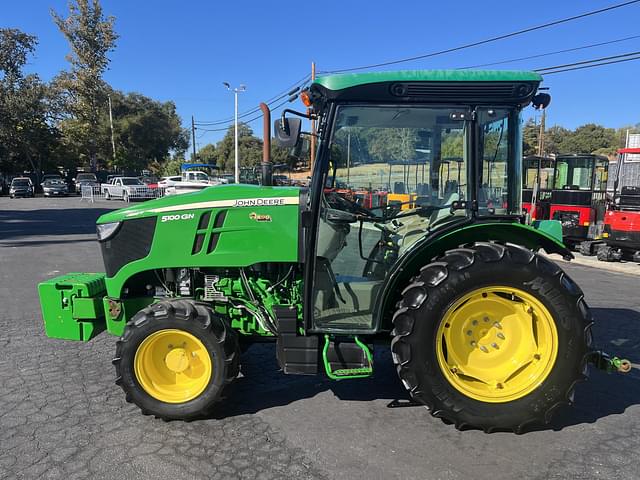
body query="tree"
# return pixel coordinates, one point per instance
(249, 149)
(530, 138)
(590, 138)
(206, 154)
(146, 131)
(91, 37)
(27, 135)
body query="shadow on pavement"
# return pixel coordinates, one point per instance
(616, 331)
(71, 221)
(264, 386)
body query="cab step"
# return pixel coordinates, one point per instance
(346, 357)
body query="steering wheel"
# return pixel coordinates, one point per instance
(337, 201)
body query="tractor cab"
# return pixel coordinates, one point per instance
(537, 181)
(444, 163)
(578, 198)
(621, 235)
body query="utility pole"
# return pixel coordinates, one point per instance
(193, 136)
(312, 156)
(235, 91)
(113, 141)
(541, 133)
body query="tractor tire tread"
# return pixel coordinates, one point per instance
(455, 262)
(189, 312)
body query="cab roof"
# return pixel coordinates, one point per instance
(347, 80)
(491, 87)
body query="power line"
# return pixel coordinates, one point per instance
(583, 47)
(275, 98)
(488, 40)
(246, 122)
(593, 65)
(542, 70)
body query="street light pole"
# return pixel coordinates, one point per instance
(235, 91)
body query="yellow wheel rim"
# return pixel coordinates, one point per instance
(173, 366)
(497, 344)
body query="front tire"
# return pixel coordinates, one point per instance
(492, 337)
(175, 358)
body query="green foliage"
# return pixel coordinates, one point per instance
(26, 133)
(530, 138)
(91, 37)
(249, 149)
(207, 154)
(145, 131)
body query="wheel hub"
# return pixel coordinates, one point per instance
(173, 366)
(177, 360)
(496, 344)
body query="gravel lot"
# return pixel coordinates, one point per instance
(61, 416)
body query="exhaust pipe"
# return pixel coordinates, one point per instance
(266, 165)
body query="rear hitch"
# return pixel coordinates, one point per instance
(604, 361)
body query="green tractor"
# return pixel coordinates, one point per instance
(483, 330)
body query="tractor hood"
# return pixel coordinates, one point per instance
(219, 226)
(220, 196)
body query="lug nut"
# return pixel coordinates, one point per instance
(474, 322)
(537, 356)
(486, 319)
(500, 335)
(499, 385)
(495, 345)
(469, 332)
(530, 310)
(497, 325)
(484, 349)
(473, 344)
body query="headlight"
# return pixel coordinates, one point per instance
(107, 230)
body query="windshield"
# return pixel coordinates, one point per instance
(577, 173)
(20, 183)
(131, 181)
(411, 156)
(86, 177)
(530, 177)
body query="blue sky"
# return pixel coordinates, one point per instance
(183, 51)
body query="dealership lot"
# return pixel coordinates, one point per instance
(61, 416)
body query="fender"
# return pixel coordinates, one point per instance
(544, 234)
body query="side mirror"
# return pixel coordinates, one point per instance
(541, 100)
(287, 131)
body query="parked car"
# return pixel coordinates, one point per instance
(85, 180)
(127, 188)
(54, 187)
(150, 181)
(21, 187)
(50, 176)
(169, 181)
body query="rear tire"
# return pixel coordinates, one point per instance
(518, 282)
(184, 383)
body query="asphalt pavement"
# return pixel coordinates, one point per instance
(61, 415)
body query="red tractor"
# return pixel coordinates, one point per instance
(537, 180)
(622, 221)
(579, 199)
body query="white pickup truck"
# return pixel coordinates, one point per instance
(191, 181)
(127, 188)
